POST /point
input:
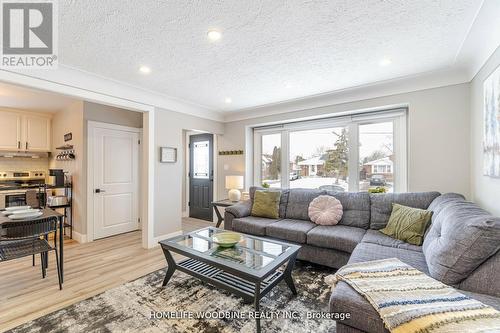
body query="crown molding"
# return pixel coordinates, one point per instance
(481, 41)
(401, 85)
(83, 85)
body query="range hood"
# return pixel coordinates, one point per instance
(23, 154)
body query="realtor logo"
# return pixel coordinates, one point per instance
(29, 34)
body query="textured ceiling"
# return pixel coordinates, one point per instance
(270, 51)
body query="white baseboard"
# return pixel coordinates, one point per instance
(170, 235)
(80, 238)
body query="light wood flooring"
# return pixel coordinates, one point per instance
(89, 269)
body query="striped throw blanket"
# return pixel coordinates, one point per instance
(409, 301)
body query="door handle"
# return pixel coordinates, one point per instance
(18, 144)
(26, 145)
(98, 190)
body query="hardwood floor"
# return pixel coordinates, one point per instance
(89, 269)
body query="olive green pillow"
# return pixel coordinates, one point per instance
(407, 224)
(266, 204)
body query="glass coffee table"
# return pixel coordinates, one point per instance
(250, 269)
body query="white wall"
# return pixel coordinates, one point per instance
(170, 131)
(438, 137)
(485, 190)
(70, 120)
(112, 115)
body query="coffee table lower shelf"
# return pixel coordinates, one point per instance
(227, 281)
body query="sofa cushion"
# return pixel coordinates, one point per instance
(252, 225)
(381, 205)
(338, 237)
(323, 256)
(298, 203)
(345, 299)
(283, 199)
(485, 279)
(376, 237)
(241, 209)
(356, 207)
(460, 239)
(492, 301)
(440, 202)
(369, 251)
(290, 230)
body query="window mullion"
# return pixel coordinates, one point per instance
(285, 165)
(353, 143)
(257, 159)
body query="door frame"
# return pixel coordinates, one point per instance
(83, 88)
(187, 161)
(91, 125)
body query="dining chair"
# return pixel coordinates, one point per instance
(26, 238)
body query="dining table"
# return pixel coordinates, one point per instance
(47, 212)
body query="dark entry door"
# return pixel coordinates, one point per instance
(201, 176)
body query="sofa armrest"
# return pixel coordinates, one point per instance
(241, 209)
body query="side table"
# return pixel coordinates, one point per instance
(222, 203)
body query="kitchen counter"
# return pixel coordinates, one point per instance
(16, 188)
(19, 187)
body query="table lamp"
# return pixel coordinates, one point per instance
(234, 184)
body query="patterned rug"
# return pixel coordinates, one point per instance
(184, 304)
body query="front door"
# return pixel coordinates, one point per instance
(201, 176)
(115, 156)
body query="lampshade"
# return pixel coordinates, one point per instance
(234, 182)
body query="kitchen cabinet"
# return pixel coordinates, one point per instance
(10, 131)
(23, 131)
(36, 133)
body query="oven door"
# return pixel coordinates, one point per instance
(15, 199)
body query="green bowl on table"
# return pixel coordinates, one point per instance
(226, 239)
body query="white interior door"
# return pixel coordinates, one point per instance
(116, 186)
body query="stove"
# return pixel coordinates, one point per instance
(22, 175)
(14, 184)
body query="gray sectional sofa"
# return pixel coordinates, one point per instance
(461, 247)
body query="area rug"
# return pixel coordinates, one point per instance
(186, 302)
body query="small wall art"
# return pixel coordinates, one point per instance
(168, 155)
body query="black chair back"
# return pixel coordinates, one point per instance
(18, 230)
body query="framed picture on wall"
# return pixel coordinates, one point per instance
(491, 142)
(168, 155)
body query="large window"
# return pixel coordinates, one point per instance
(319, 158)
(362, 152)
(376, 156)
(271, 159)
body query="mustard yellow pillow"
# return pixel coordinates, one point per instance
(266, 204)
(407, 224)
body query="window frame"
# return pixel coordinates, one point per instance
(352, 123)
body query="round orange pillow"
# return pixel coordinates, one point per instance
(325, 210)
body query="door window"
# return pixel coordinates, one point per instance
(201, 160)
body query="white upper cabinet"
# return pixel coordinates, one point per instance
(10, 133)
(22, 131)
(36, 133)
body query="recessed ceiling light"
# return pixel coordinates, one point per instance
(214, 35)
(385, 62)
(228, 100)
(144, 69)
(288, 85)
